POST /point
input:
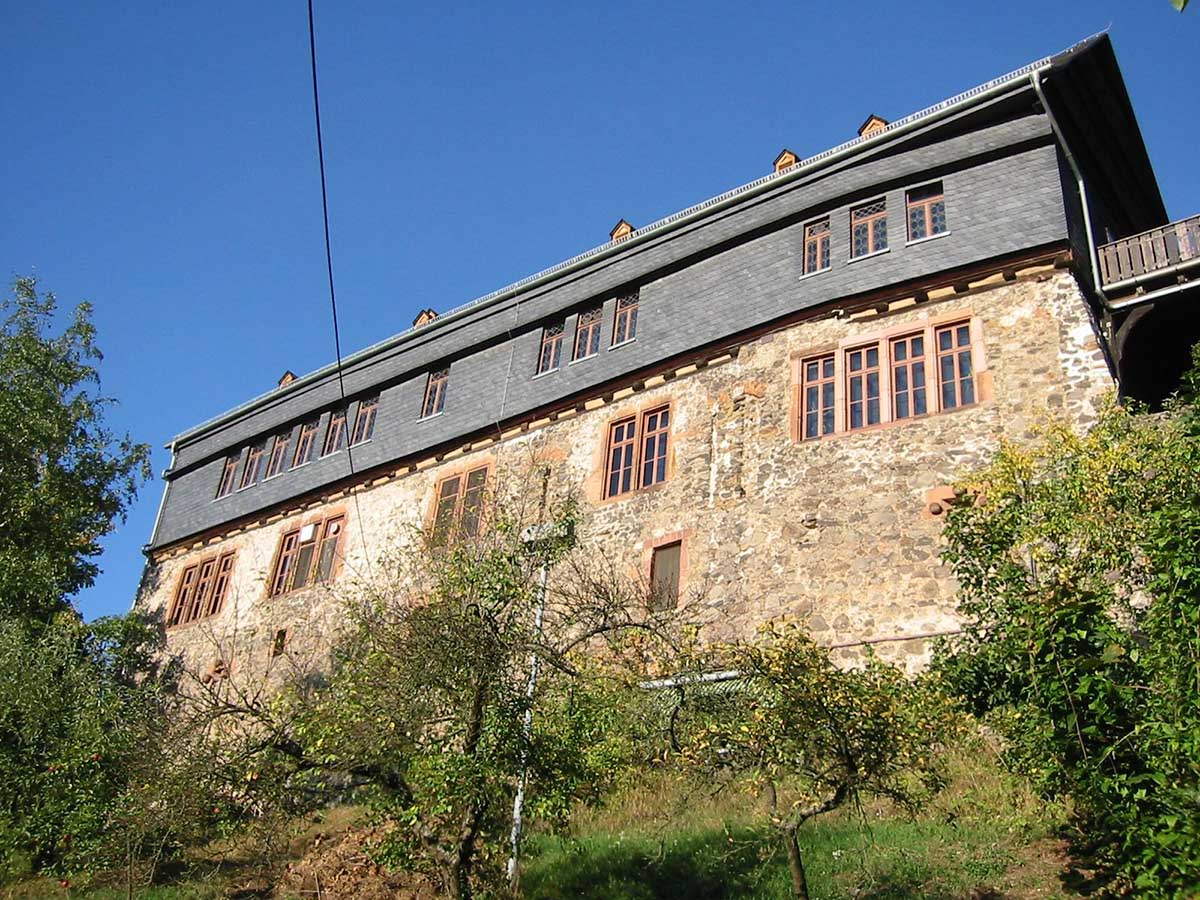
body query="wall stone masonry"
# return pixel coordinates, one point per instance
(837, 531)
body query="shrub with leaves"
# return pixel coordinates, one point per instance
(1078, 560)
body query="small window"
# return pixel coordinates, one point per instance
(279, 453)
(435, 393)
(307, 555)
(364, 422)
(625, 321)
(956, 375)
(306, 444)
(253, 467)
(279, 643)
(201, 590)
(587, 333)
(908, 377)
(551, 352)
(459, 506)
(926, 212)
(862, 387)
(228, 474)
(868, 229)
(816, 247)
(335, 435)
(817, 396)
(637, 452)
(664, 576)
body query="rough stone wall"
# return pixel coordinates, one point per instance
(837, 530)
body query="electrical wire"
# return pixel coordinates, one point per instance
(337, 338)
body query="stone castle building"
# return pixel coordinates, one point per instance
(767, 393)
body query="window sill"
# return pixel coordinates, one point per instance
(300, 465)
(808, 275)
(273, 477)
(430, 418)
(926, 240)
(870, 255)
(582, 359)
(361, 443)
(246, 487)
(624, 343)
(544, 374)
(331, 453)
(222, 497)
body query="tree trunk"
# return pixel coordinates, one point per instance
(795, 864)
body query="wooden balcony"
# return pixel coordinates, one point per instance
(1151, 253)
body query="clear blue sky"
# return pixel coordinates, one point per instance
(158, 158)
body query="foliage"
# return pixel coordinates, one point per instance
(1078, 560)
(830, 734)
(65, 479)
(423, 714)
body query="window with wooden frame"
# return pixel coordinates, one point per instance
(926, 212)
(228, 475)
(307, 555)
(550, 354)
(201, 590)
(816, 246)
(459, 507)
(665, 564)
(306, 443)
(435, 393)
(636, 454)
(364, 420)
(905, 374)
(277, 462)
(817, 396)
(253, 468)
(868, 228)
(335, 434)
(863, 387)
(956, 372)
(625, 320)
(587, 333)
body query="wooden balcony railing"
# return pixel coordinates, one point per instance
(1151, 251)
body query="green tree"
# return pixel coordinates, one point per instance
(65, 479)
(1078, 560)
(811, 734)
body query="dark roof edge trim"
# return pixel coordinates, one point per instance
(665, 225)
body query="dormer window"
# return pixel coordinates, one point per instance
(435, 393)
(587, 334)
(926, 212)
(868, 229)
(550, 355)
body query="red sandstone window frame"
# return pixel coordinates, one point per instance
(625, 319)
(637, 452)
(926, 208)
(228, 475)
(587, 333)
(816, 246)
(818, 396)
(864, 387)
(308, 554)
(683, 539)
(201, 590)
(550, 353)
(364, 420)
(965, 367)
(459, 505)
(435, 393)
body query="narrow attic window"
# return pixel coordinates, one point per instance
(926, 212)
(279, 453)
(335, 437)
(816, 246)
(625, 321)
(587, 334)
(435, 393)
(364, 421)
(868, 229)
(253, 467)
(228, 471)
(664, 576)
(306, 443)
(551, 353)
